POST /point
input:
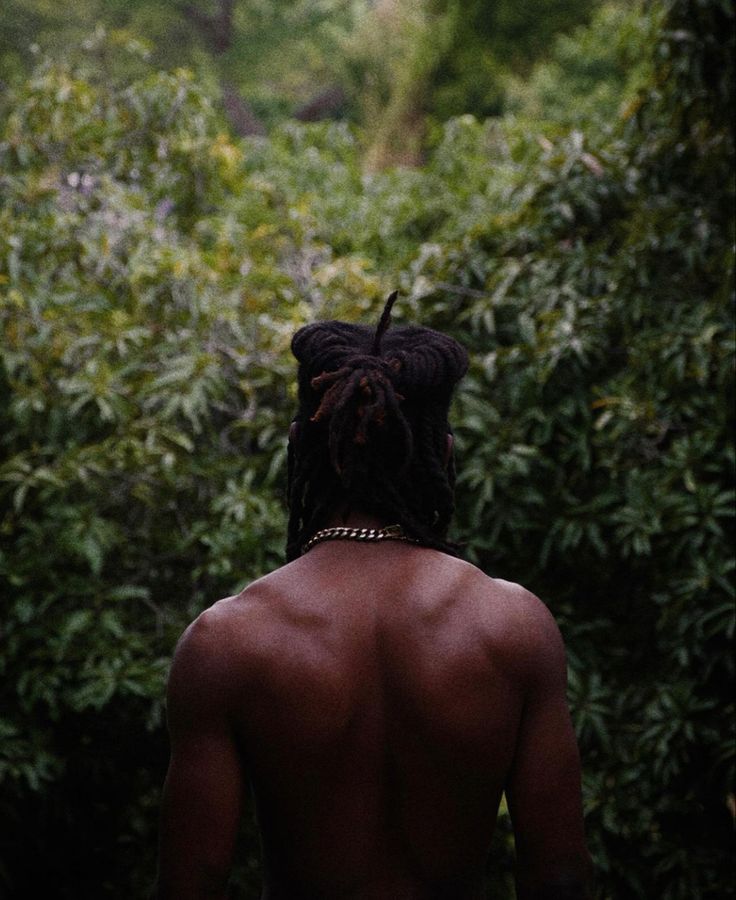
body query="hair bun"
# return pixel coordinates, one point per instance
(420, 358)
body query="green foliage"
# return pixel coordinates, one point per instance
(593, 75)
(133, 488)
(489, 42)
(152, 272)
(390, 63)
(279, 54)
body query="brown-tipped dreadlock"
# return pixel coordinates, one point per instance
(372, 427)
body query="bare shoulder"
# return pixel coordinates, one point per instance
(235, 628)
(216, 642)
(201, 656)
(528, 613)
(522, 625)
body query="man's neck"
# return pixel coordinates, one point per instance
(356, 519)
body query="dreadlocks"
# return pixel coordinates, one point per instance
(372, 426)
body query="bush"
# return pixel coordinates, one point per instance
(152, 272)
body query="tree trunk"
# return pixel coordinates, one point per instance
(216, 31)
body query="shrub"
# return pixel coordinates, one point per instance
(151, 274)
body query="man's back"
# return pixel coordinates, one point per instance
(380, 699)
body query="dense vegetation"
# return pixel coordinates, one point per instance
(152, 271)
(395, 68)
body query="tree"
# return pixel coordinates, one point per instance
(152, 271)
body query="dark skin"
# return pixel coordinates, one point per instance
(378, 698)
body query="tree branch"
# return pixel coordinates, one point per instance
(324, 105)
(242, 118)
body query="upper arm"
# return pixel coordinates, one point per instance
(202, 798)
(543, 788)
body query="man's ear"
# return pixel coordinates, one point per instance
(293, 431)
(448, 448)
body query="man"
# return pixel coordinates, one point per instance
(377, 693)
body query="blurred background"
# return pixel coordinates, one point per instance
(182, 185)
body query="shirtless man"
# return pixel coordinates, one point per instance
(377, 694)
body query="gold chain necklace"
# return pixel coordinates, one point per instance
(343, 533)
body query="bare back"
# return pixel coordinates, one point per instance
(377, 697)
